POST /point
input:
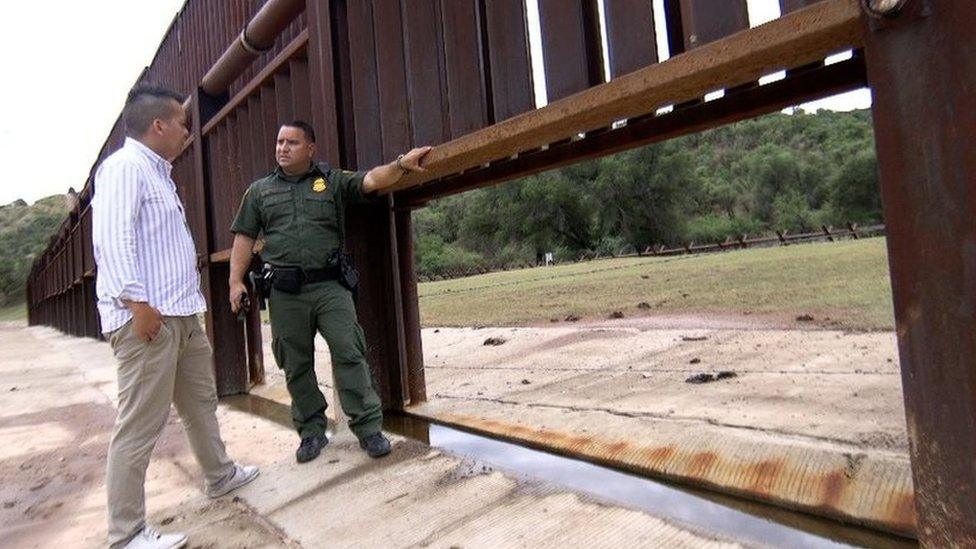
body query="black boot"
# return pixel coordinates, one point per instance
(311, 447)
(376, 445)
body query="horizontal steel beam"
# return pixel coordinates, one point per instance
(258, 35)
(799, 87)
(293, 49)
(794, 40)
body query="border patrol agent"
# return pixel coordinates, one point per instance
(299, 209)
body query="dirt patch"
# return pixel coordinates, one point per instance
(698, 379)
(54, 435)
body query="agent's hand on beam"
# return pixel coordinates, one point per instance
(410, 162)
(386, 175)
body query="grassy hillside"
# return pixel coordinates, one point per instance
(845, 281)
(24, 232)
(13, 312)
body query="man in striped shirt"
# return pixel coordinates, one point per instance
(149, 295)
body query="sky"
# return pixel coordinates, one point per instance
(68, 65)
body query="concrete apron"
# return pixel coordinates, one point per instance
(812, 422)
(418, 496)
(826, 475)
(57, 414)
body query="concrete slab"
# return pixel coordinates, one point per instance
(812, 420)
(57, 411)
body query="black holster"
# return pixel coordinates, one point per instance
(261, 283)
(346, 272)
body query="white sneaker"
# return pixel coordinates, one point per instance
(150, 538)
(242, 475)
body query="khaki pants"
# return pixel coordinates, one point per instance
(174, 368)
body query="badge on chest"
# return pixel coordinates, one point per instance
(319, 185)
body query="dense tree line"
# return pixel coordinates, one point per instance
(792, 172)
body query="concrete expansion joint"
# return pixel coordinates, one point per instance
(841, 442)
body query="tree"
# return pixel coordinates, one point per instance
(779, 171)
(854, 192)
(644, 194)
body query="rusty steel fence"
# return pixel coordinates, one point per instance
(60, 290)
(379, 76)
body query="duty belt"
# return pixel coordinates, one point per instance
(310, 276)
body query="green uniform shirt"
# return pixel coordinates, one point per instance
(298, 215)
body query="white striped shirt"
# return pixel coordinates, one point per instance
(142, 243)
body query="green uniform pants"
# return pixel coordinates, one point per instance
(325, 307)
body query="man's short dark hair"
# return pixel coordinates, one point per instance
(305, 127)
(145, 104)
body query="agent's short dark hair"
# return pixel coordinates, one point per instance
(305, 127)
(145, 104)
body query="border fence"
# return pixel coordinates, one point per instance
(379, 76)
(782, 238)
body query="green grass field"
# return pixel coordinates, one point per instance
(846, 281)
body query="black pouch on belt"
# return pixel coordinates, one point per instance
(288, 279)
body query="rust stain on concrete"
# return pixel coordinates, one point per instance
(837, 494)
